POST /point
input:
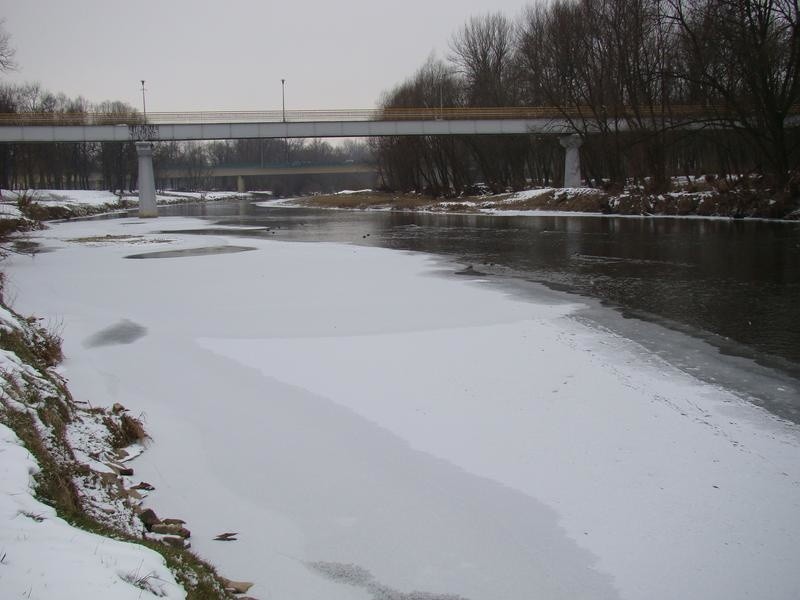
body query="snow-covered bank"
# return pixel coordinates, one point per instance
(43, 557)
(370, 429)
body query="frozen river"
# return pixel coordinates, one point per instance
(376, 425)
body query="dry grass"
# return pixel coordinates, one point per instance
(589, 200)
(537, 202)
(124, 431)
(47, 346)
(54, 484)
(41, 348)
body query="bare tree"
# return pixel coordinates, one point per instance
(483, 51)
(7, 52)
(435, 164)
(743, 57)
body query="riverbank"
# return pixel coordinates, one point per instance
(371, 425)
(698, 199)
(71, 515)
(70, 508)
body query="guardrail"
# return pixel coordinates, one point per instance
(378, 114)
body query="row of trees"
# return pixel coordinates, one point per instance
(622, 72)
(62, 165)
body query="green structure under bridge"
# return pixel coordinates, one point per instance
(173, 177)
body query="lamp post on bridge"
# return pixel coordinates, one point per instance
(283, 113)
(144, 102)
(283, 99)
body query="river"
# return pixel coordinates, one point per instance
(715, 297)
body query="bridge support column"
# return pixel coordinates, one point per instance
(240, 185)
(147, 182)
(572, 160)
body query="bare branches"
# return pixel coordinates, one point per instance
(7, 52)
(483, 53)
(632, 76)
(745, 54)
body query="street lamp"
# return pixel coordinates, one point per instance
(283, 112)
(283, 99)
(144, 103)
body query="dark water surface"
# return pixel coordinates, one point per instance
(734, 284)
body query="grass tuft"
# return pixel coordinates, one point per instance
(124, 431)
(41, 348)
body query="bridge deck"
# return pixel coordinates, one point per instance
(377, 114)
(101, 127)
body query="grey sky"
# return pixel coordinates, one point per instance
(232, 54)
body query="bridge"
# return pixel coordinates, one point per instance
(174, 126)
(145, 129)
(104, 127)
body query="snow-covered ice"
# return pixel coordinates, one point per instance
(371, 428)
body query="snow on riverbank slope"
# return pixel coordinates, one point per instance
(370, 429)
(42, 556)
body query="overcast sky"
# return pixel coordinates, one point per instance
(232, 54)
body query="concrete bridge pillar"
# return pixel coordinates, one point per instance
(240, 185)
(147, 182)
(572, 160)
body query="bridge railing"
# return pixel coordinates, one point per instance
(378, 114)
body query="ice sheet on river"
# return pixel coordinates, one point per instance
(348, 412)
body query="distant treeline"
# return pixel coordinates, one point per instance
(62, 165)
(623, 65)
(114, 165)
